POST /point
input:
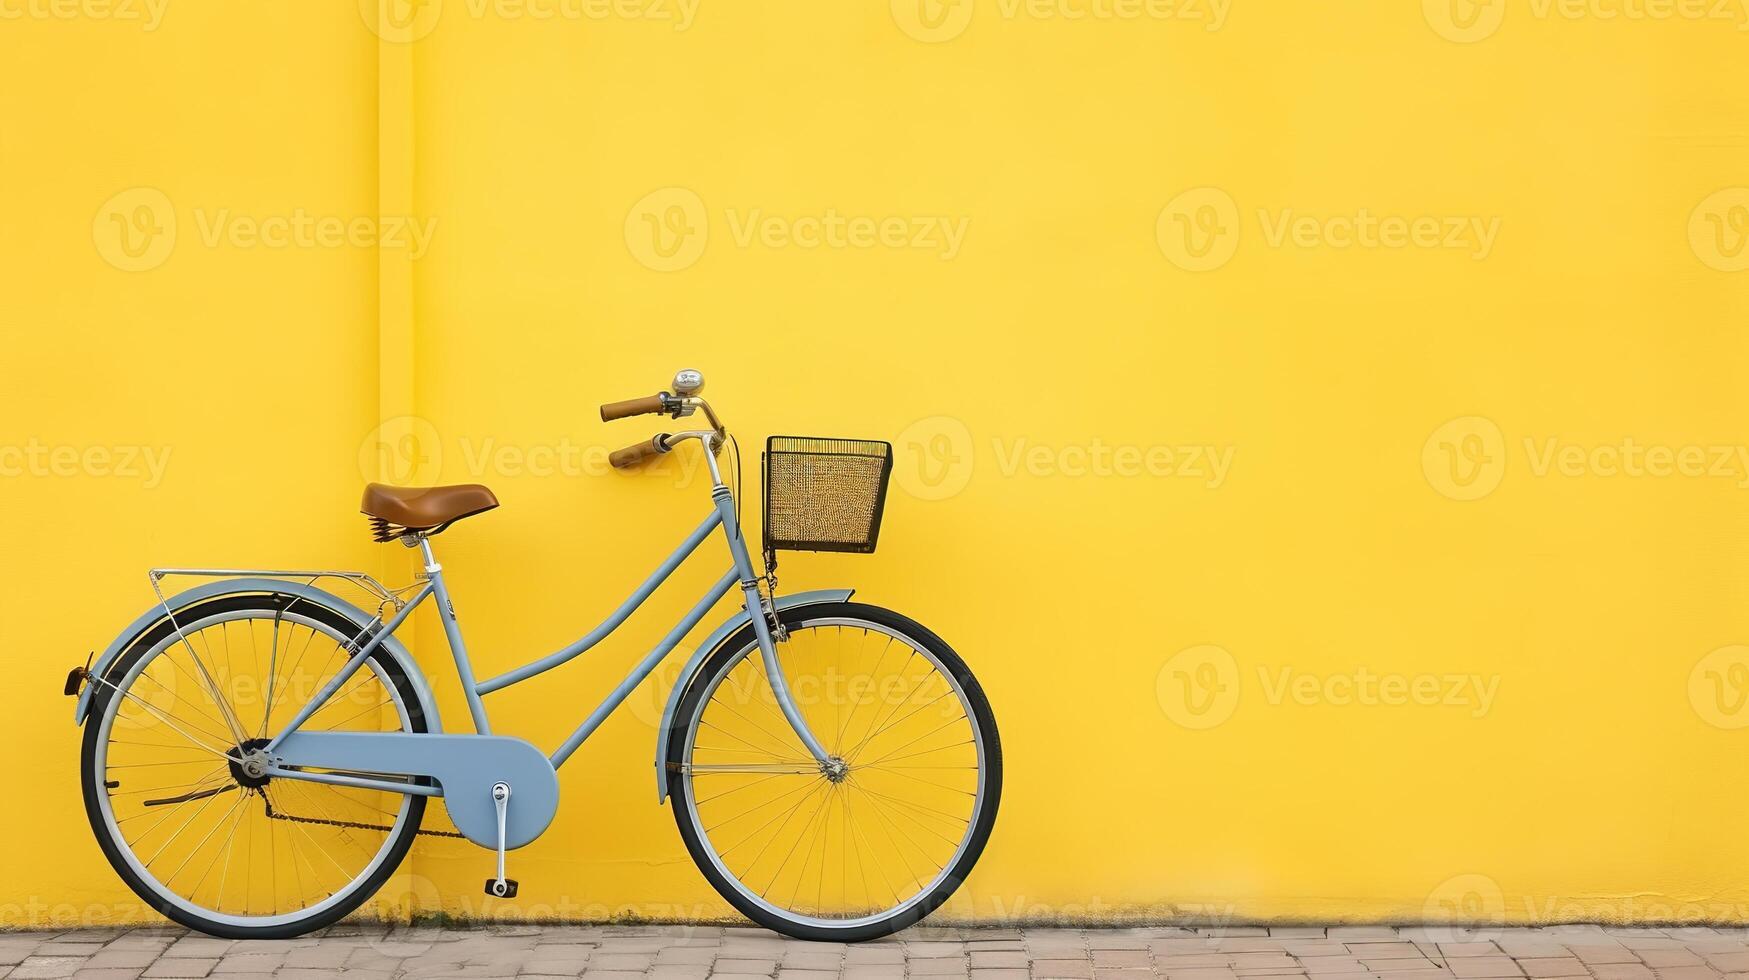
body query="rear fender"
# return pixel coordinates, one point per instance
(250, 586)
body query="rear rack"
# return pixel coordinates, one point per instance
(386, 596)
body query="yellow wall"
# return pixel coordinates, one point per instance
(1418, 493)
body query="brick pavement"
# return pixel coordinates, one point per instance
(377, 952)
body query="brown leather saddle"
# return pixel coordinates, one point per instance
(396, 512)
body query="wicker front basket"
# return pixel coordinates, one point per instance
(825, 494)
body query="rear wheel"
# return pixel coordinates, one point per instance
(883, 835)
(173, 776)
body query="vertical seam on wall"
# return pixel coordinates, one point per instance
(395, 327)
(396, 369)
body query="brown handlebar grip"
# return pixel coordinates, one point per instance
(631, 407)
(632, 455)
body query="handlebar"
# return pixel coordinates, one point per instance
(649, 405)
(630, 456)
(684, 401)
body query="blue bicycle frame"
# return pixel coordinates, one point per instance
(467, 769)
(741, 571)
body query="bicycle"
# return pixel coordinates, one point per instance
(258, 753)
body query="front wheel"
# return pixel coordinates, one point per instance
(881, 837)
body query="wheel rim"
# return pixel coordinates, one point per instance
(862, 820)
(158, 740)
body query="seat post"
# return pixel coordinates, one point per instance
(431, 565)
(452, 631)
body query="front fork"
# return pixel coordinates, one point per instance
(829, 763)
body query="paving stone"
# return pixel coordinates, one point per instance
(764, 968)
(1479, 967)
(1319, 966)
(1621, 971)
(1349, 934)
(1383, 950)
(1065, 969)
(1555, 966)
(180, 967)
(1468, 948)
(1660, 958)
(37, 967)
(1398, 964)
(1123, 958)
(1686, 973)
(1616, 953)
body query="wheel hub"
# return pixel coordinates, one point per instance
(249, 763)
(836, 769)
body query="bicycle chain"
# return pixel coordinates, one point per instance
(349, 824)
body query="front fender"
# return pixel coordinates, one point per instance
(708, 647)
(241, 586)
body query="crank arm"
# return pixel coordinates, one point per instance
(501, 886)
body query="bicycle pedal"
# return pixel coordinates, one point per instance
(509, 887)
